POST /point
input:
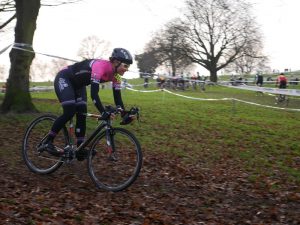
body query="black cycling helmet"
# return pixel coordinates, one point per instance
(122, 55)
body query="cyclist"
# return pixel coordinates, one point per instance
(70, 87)
(281, 81)
(259, 79)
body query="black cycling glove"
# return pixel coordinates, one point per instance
(127, 118)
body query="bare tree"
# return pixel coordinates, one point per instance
(147, 63)
(44, 70)
(92, 47)
(17, 97)
(215, 33)
(247, 65)
(57, 2)
(37, 69)
(252, 60)
(7, 7)
(56, 65)
(164, 47)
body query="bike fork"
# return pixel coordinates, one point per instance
(110, 145)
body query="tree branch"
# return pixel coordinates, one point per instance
(7, 6)
(7, 22)
(60, 3)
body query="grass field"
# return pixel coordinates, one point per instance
(263, 140)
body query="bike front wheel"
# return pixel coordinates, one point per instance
(116, 166)
(37, 159)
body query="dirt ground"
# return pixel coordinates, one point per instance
(168, 191)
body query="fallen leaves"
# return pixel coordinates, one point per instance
(169, 190)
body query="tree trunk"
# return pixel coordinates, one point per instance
(213, 75)
(17, 97)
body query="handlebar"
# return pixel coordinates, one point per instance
(115, 110)
(92, 115)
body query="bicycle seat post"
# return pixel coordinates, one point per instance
(71, 132)
(69, 149)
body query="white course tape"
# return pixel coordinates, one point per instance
(220, 99)
(183, 96)
(40, 53)
(201, 99)
(24, 46)
(266, 106)
(131, 89)
(235, 99)
(292, 92)
(140, 85)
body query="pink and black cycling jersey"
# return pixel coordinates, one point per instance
(95, 70)
(88, 72)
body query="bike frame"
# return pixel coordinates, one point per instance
(104, 125)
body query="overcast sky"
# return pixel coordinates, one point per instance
(130, 23)
(124, 23)
(280, 26)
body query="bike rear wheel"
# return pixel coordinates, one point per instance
(39, 160)
(118, 171)
(282, 99)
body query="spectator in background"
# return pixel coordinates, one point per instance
(259, 79)
(146, 81)
(158, 81)
(162, 82)
(294, 81)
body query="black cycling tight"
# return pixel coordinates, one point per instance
(69, 111)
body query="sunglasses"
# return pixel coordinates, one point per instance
(126, 66)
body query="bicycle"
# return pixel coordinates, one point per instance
(114, 158)
(280, 99)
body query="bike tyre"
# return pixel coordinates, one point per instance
(35, 133)
(125, 170)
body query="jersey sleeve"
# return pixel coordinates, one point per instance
(95, 97)
(118, 98)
